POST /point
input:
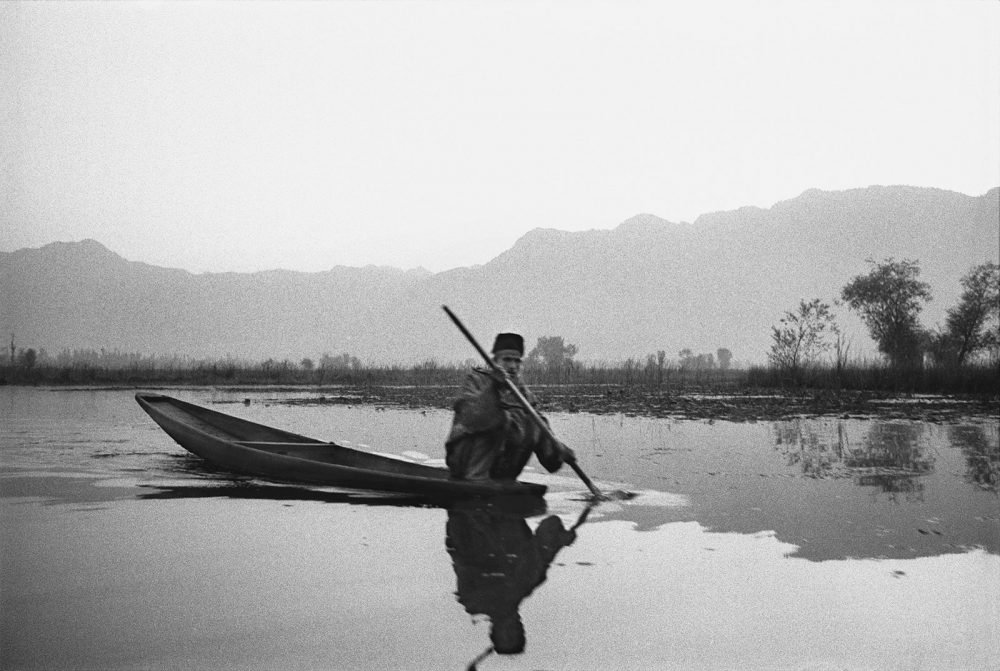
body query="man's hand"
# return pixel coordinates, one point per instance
(500, 377)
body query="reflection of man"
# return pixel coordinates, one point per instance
(498, 562)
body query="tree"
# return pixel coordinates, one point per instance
(655, 364)
(800, 338)
(342, 361)
(725, 357)
(27, 357)
(889, 298)
(966, 326)
(689, 361)
(552, 353)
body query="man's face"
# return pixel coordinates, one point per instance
(509, 360)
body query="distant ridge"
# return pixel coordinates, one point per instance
(647, 284)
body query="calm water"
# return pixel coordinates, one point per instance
(804, 544)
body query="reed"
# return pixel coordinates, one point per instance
(866, 375)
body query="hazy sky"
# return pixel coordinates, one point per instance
(247, 136)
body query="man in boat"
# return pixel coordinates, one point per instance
(492, 436)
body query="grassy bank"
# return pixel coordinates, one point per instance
(980, 379)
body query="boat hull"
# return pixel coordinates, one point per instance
(245, 447)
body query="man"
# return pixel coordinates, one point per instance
(492, 435)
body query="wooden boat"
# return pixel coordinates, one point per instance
(245, 447)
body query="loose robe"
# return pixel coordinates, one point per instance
(492, 435)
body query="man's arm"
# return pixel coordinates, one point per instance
(478, 406)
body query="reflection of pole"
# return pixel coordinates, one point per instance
(583, 515)
(841, 439)
(483, 655)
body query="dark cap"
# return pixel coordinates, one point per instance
(508, 341)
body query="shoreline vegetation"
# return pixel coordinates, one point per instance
(808, 368)
(933, 393)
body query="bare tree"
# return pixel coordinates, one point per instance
(799, 340)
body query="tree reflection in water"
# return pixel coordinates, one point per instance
(803, 445)
(891, 456)
(499, 562)
(894, 455)
(981, 447)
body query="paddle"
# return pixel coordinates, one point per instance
(524, 401)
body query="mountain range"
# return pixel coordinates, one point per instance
(646, 285)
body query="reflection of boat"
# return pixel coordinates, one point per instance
(246, 447)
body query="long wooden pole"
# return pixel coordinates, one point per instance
(521, 399)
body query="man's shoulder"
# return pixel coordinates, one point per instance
(477, 377)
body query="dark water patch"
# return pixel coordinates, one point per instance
(268, 492)
(523, 506)
(833, 488)
(108, 455)
(62, 488)
(342, 399)
(69, 442)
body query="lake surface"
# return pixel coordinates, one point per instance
(805, 544)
